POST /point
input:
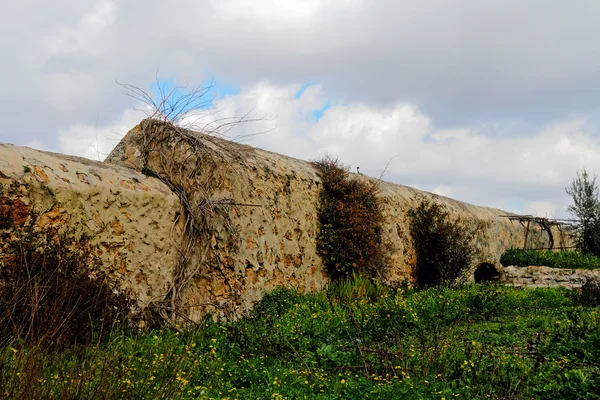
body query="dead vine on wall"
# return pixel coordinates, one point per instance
(192, 166)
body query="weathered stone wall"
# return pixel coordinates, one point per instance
(129, 216)
(271, 205)
(278, 228)
(497, 232)
(539, 276)
(274, 213)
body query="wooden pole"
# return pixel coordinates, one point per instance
(526, 235)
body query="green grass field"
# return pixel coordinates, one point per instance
(473, 342)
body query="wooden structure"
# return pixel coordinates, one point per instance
(546, 224)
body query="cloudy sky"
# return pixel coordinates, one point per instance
(492, 102)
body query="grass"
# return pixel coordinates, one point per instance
(476, 341)
(552, 259)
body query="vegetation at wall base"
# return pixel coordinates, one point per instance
(350, 222)
(443, 247)
(548, 258)
(53, 289)
(357, 287)
(473, 341)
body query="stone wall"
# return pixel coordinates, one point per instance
(266, 238)
(278, 227)
(129, 215)
(539, 276)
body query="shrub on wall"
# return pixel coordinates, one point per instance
(350, 222)
(443, 247)
(53, 290)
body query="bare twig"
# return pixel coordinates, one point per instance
(192, 165)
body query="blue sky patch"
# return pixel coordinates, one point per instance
(317, 114)
(303, 88)
(516, 205)
(218, 91)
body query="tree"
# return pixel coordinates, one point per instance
(586, 208)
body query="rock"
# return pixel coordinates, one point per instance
(545, 276)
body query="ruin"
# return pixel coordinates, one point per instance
(195, 224)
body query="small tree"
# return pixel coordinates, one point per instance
(586, 208)
(443, 247)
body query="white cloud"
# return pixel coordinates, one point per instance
(283, 120)
(462, 163)
(96, 142)
(85, 36)
(471, 108)
(63, 90)
(35, 144)
(542, 209)
(447, 58)
(280, 13)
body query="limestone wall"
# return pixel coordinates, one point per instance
(129, 215)
(274, 214)
(497, 232)
(278, 228)
(271, 205)
(539, 276)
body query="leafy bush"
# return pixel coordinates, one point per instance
(350, 222)
(52, 289)
(552, 259)
(443, 247)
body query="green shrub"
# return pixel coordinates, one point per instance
(350, 222)
(53, 290)
(552, 259)
(443, 247)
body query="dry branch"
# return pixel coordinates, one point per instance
(191, 164)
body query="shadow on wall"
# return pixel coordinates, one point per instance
(486, 272)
